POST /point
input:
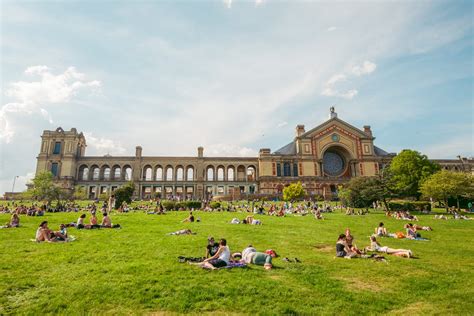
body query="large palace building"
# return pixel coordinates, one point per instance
(321, 158)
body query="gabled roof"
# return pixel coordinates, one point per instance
(380, 152)
(289, 149)
(335, 119)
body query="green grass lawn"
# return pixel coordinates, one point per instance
(135, 270)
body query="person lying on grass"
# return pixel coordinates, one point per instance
(212, 247)
(418, 227)
(182, 232)
(190, 218)
(220, 259)
(14, 222)
(250, 255)
(375, 246)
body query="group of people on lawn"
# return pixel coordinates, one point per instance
(218, 255)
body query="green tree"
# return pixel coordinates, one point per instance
(293, 192)
(363, 191)
(448, 184)
(45, 189)
(408, 170)
(80, 193)
(124, 194)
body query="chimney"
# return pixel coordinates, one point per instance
(138, 151)
(367, 130)
(264, 151)
(299, 130)
(200, 151)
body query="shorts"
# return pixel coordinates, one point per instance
(383, 249)
(341, 254)
(260, 258)
(218, 263)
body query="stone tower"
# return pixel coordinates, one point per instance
(58, 153)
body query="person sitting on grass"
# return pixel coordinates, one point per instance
(61, 234)
(14, 222)
(43, 233)
(80, 222)
(375, 246)
(93, 222)
(107, 223)
(190, 218)
(349, 242)
(250, 255)
(212, 247)
(342, 251)
(318, 215)
(220, 259)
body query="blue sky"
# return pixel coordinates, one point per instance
(233, 76)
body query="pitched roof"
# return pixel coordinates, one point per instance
(289, 149)
(380, 152)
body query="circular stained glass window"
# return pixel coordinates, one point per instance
(335, 137)
(333, 163)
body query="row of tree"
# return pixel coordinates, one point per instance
(43, 188)
(409, 175)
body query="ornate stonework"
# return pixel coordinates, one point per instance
(322, 158)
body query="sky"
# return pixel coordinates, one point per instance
(232, 76)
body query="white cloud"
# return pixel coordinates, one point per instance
(332, 28)
(227, 3)
(34, 96)
(20, 183)
(281, 124)
(450, 148)
(227, 150)
(259, 2)
(366, 68)
(330, 90)
(103, 146)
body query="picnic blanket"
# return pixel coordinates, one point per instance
(69, 239)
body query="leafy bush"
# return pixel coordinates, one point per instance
(124, 194)
(169, 205)
(215, 205)
(410, 206)
(193, 204)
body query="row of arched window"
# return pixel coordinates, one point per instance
(118, 173)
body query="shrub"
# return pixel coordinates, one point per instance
(124, 194)
(410, 206)
(194, 204)
(215, 205)
(169, 205)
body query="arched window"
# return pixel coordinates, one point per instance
(286, 169)
(180, 174)
(251, 173)
(190, 174)
(128, 174)
(220, 174)
(159, 174)
(85, 174)
(117, 173)
(169, 174)
(230, 174)
(295, 170)
(148, 174)
(107, 173)
(95, 173)
(278, 169)
(210, 174)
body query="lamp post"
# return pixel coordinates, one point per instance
(13, 187)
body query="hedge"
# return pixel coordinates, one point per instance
(174, 206)
(410, 206)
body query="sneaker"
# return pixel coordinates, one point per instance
(286, 259)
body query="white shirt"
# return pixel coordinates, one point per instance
(225, 255)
